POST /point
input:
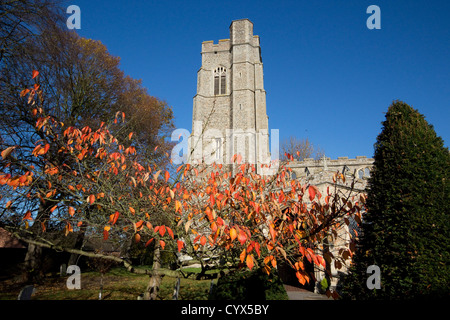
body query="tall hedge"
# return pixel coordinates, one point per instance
(406, 227)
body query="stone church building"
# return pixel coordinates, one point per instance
(230, 117)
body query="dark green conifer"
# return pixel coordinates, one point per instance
(406, 228)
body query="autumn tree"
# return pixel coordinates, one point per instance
(83, 86)
(406, 227)
(250, 221)
(300, 149)
(24, 19)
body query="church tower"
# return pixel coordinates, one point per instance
(229, 111)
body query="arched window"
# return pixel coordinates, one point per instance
(367, 172)
(220, 81)
(360, 173)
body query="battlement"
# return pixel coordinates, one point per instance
(339, 161)
(210, 46)
(311, 166)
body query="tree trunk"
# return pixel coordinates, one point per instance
(79, 241)
(33, 268)
(151, 293)
(32, 264)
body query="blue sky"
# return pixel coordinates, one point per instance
(327, 76)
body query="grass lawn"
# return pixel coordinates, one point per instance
(118, 284)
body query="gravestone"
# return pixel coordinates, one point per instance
(63, 270)
(26, 293)
(176, 289)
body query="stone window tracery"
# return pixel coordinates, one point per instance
(220, 77)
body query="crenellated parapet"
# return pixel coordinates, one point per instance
(210, 46)
(360, 166)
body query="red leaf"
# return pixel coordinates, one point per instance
(162, 244)
(180, 245)
(242, 237)
(257, 246)
(162, 230)
(203, 240)
(167, 175)
(312, 193)
(91, 199)
(115, 217)
(27, 216)
(35, 74)
(105, 235)
(170, 232)
(149, 241)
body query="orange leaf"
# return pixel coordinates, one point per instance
(233, 234)
(203, 240)
(79, 223)
(91, 199)
(249, 261)
(27, 216)
(71, 211)
(115, 217)
(300, 278)
(130, 135)
(137, 237)
(162, 243)
(35, 74)
(177, 205)
(272, 232)
(132, 210)
(242, 255)
(7, 152)
(139, 224)
(167, 175)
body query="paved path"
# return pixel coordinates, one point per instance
(295, 293)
